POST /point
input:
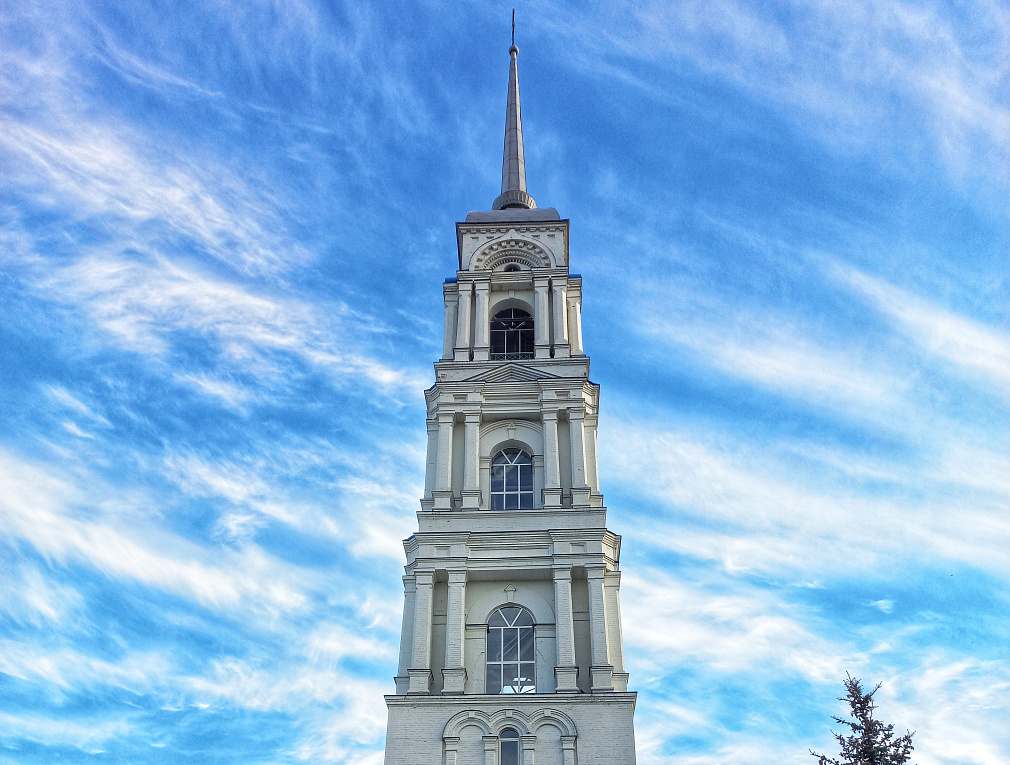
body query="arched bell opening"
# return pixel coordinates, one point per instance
(511, 335)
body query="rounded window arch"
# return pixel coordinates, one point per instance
(511, 335)
(508, 743)
(511, 655)
(512, 480)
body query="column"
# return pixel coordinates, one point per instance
(552, 471)
(575, 322)
(420, 670)
(541, 319)
(529, 746)
(490, 750)
(402, 679)
(560, 318)
(462, 349)
(566, 673)
(450, 293)
(471, 452)
(580, 489)
(568, 750)
(454, 674)
(451, 744)
(442, 493)
(615, 642)
(601, 670)
(481, 321)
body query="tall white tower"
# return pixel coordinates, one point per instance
(511, 646)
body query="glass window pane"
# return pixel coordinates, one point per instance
(497, 501)
(511, 478)
(510, 752)
(494, 644)
(525, 477)
(509, 678)
(526, 644)
(511, 501)
(524, 619)
(526, 500)
(510, 613)
(493, 679)
(510, 644)
(526, 682)
(497, 477)
(496, 620)
(509, 733)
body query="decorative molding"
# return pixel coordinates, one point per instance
(512, 250)
(493, 724)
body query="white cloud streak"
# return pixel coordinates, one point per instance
(970, 345)
(39, 508)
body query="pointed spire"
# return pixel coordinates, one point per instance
(513, 168)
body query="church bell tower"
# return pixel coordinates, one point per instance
(511, 649)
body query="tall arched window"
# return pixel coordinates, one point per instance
(511, 667)
(509, 747)
(511, 335)
(512, 480)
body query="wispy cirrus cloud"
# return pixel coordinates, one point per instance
(40, 509)
(92, 172)
(962, 341)
(144, 302)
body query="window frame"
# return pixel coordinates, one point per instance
(512, 741)
(510, 652)
(517, 462)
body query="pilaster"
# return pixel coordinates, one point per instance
(490, 750)
(529, 747)
(568, 750)
(431, 459)
(450, 293)
(552, 470)
(541, 318)
(471, 494)
(580, 489)
(560, 319)
(615, 640)
(420, 670)
(402, 679)
(575, 321)
(442, 493)
(482, 322)
(566, 673)
(601, 670)
(463, 319)
(454, 674)
(451, 745)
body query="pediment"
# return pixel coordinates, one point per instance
(511, 372)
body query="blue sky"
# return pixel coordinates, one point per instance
(224, 230)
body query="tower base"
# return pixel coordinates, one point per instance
(559, 729)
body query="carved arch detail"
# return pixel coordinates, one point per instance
(514, 250)
(493, 724)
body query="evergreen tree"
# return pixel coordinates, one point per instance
(871, 742)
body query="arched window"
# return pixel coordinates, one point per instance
(512, 480)
(511, 335)
(509, 743)
(511, 667)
